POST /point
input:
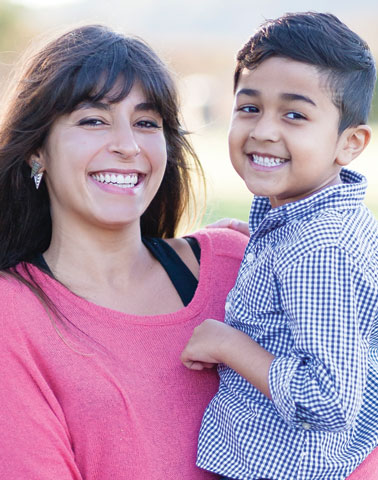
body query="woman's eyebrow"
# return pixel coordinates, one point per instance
(146, 106)
(140, 107)
(89, 104)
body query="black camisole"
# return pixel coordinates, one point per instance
(181, 277)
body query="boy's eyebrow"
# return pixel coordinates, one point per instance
(297, 97)
(140, 107)
(250, 92)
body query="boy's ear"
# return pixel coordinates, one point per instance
(353, 141)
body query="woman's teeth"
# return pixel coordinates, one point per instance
(267, 161)
(123, 181)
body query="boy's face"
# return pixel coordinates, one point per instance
(283, 137)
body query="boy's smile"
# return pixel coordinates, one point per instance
(283, 136)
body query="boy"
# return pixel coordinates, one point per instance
(297, 353)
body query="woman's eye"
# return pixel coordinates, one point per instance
(248, 109)
(295, 116)
(147, 124)
(91, 122)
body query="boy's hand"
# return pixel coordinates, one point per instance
(216, 342)
(232, 223)
(204, 349)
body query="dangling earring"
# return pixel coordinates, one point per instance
(35, 168)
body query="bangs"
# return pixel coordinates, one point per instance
(97, 76)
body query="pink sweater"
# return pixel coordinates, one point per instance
(104, 396)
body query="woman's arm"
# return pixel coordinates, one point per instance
(34, 439)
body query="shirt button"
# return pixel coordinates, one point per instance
(227, 306)
(250, 257)
(306, 426)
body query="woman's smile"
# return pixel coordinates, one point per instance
(119, 179)
(118, 183)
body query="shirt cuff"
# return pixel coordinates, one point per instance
(281, 372)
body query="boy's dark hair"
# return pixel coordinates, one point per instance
(322, 40)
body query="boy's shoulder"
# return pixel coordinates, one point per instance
(354, 231)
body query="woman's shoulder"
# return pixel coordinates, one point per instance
(10, 288)
(221, 249)
(15, 307)
(222, 241)
(16, 292)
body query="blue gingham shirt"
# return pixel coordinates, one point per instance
(307, 291)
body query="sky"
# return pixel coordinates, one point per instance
(42, 3)
(232, 18)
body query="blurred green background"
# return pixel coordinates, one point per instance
(199, 40)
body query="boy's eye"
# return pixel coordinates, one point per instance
(248, 109)
(295, 116)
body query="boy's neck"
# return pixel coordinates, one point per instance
(276, 202)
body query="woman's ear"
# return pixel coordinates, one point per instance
(36, 163)
(35, 158)
(353, 141)
(37, 169)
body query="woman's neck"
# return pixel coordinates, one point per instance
(112, 269)
(80, 254)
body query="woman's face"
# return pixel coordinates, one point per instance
(105, 162)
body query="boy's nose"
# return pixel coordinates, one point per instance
(265, 129)
(123, 142)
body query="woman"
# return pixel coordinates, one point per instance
(96, 306)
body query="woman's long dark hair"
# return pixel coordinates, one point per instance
(83, 64)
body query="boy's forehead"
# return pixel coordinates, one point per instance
(280, 75)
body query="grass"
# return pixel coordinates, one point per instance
(373, 208)
(219, 208)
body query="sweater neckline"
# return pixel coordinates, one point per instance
(61, 294)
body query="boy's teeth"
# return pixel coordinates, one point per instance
(123, 181)
(267, 161)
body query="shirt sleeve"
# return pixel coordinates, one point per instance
(330, 305)
(34, 439)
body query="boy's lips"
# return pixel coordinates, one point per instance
(266, 160)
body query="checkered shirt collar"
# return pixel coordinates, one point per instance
(348, 194)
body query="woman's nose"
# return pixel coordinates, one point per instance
(123, 142)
